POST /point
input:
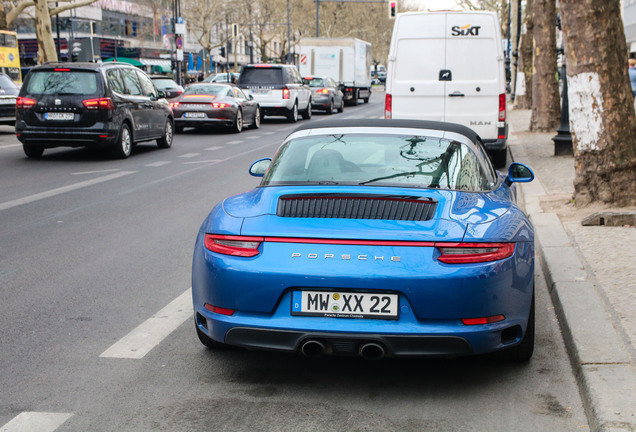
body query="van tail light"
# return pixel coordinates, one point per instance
(240, 246)
(388, 106)
(502, 107)
(469, 253)
(285, 93)
(99, 104)
(24, 103)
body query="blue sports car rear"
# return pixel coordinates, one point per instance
(372, 238)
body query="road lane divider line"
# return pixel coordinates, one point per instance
(96, 172)
(30, 421)
(210, 161)
(10, 146)
(58, 191)
(139, 342)
(213, 148)
(234, 142)
(158, 164)
(189, 155)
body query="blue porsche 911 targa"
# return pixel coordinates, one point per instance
(375, 238)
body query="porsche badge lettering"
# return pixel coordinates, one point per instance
(346, 257)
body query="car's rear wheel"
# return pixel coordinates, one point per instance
(292, 115)
(499, 157)
(123, 147)
(307, 112)
(341, 107)
(166, 140)
(330, 107)
(256, 123)
(207, 340)
(33, 152)
(237, 127)
(354, 101)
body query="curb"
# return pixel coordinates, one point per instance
(600, 361)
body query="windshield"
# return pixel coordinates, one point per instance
(378, 160)
(62, 82)
(207, 89)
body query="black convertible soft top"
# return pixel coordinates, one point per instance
(412, 124)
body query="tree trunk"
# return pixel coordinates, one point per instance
(546, 110)
(514, 45)
(602, 118)
(3, 17)
(46, 43)
(525, 60)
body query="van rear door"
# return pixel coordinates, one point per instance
(418, 58)
(474, 56)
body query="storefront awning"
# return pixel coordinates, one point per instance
(157, 65)
(131, 61)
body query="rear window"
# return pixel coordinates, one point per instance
(264, 75)
(164, 84)
(207, 89)
(49, 82)
(315, 82)
(6, 83)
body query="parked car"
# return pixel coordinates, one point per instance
(215, 104)
(8, 94)
(325, 94)
(278, 89)
(230, 77)
(167, 85)
(373, 238)
(112, 105)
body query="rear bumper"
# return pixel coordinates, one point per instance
(72, 137)
(194, 122)
(499, 143)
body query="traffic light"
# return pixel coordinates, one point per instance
(392, 9)
(222, 52)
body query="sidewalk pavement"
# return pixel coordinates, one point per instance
(591, 274)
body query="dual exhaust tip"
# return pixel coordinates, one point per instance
(368, 350)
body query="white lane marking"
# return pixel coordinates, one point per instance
(189, 155)
(158, 164)
(95, 172)
(269, 133)
(213, 148)
(58, 191)
(253, 137)
(36, 422)
(10, 145)
(234, 142)
(210, 161)
(139, 342)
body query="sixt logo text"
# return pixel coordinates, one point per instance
(466, 30)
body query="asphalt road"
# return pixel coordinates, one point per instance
(96, 320)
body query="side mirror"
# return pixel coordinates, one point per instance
(161, 94)
(260, 167)
(250, 97)
(519, 173)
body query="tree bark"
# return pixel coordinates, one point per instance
(525, 59)
(514, 45)
(546, 110)
(46, 43)
(602, 117)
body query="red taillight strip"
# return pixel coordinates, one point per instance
(485, 320)
(24, 102)
(219, 310)
(349, 242)
(502, 107)
(388, 106)
(464, 253)
(223, 245)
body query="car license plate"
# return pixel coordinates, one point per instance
(194, 115)
(345, 304)
(58, 116)
(260, 92)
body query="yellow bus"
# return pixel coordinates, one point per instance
(10, 55)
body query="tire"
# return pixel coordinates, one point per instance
(123, 146)
(366, 99)
(207, 340)
(292, 115)
(256, 121)
(168, 134)
(522, 352)
(32, 152)
(341, 107)
(354, 101)
(330, 107)
(237, 127)
(499, 158)
(307, 112)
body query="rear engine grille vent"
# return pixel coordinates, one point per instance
(356, 207)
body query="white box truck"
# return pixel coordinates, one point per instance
(346, 60)
(449, 66)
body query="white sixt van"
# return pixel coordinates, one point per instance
(449, 66)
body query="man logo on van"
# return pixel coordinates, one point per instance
(480, 123)
(466, 30)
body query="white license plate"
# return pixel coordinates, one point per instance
(345, 304)
(58, 116)
(194, 115)
(260, 92)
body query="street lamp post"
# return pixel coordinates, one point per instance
(563, 138)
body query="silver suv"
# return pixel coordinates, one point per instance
(278, 89)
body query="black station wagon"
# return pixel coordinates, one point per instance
(112, 105)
